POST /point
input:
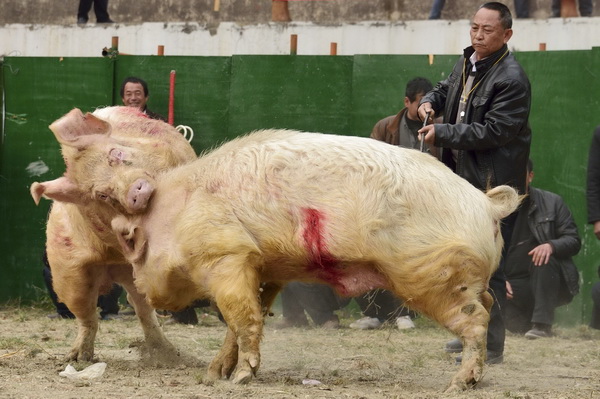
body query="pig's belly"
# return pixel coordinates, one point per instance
(352, 279)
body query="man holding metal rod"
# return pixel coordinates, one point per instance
(485, 135)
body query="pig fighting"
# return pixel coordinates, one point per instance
(235, 225)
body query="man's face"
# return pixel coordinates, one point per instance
(133, 96)
(487, 33)
(413, 106)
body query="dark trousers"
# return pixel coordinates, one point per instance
(496, 333)
(535, 298)
(319, 301)
(382, 304)
(100, 9)
(522, 8)
(595, 323)
(436, 9)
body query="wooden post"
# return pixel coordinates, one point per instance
(568, 9)
(430, 59)
(293, 44)
(333, 48)
(280, 11)
(217, 6)
(542, 46)
(161, 50)
(171, 115)
(115, 43)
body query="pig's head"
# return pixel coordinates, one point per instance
(111, 158)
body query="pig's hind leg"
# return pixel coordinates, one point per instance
(449, 285)
(469, 321)
(236, 290)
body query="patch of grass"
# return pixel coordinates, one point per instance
(11, 343)
(212, 343)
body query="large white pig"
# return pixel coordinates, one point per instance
(275, 206)
(84, 255)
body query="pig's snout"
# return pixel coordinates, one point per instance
(138, 196)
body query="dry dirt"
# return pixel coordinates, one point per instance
(386, 363)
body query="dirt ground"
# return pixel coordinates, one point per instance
(386, 363)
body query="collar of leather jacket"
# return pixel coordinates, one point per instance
(484, 65)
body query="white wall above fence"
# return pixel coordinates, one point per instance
(410, 37)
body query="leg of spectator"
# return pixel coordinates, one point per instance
(545, 285)
(522, 8)
(586, 7)
(82, 12)
(436, 9)
(101, 11)
(519, 310)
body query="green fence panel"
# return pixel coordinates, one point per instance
(310, 93)
(379, 84)
(562, 121)
(223, 97)
(201, 94)
(37, 92)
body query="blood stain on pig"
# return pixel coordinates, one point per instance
(321, 261)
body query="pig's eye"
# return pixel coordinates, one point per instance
(102, 196)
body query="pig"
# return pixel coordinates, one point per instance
(276, 206)
(83, 252)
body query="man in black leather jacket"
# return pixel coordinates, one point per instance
(540, 271)
(485, 133)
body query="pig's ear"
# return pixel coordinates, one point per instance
(61, 189)
(131, 238)
(78, 130)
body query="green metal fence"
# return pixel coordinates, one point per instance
(222, 97)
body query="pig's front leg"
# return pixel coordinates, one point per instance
(87, 323)
(235, 285)
(224, 363)
(156, 346)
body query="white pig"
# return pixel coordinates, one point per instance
(84, 255)
(274, 206)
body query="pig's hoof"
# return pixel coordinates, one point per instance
(77, 355)
(243, 377)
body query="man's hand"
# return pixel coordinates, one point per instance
(597, 229)
(509, 291)
(429, 132)
(423, 110)
(540, 255)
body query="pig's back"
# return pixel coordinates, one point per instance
(279, 182)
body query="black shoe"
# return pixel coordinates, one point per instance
(539, 330)
(491, 358)
(106, 21)
(454, 346)
(81, 21)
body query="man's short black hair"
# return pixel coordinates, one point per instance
(529, 166)
(133, 79)
(505, 15)
(417, 86)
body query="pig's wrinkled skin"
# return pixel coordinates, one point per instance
(358, 214)
(83, 252)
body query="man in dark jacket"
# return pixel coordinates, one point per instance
(593, 212)
(593, 183)
(485, 133)
(540, 271)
